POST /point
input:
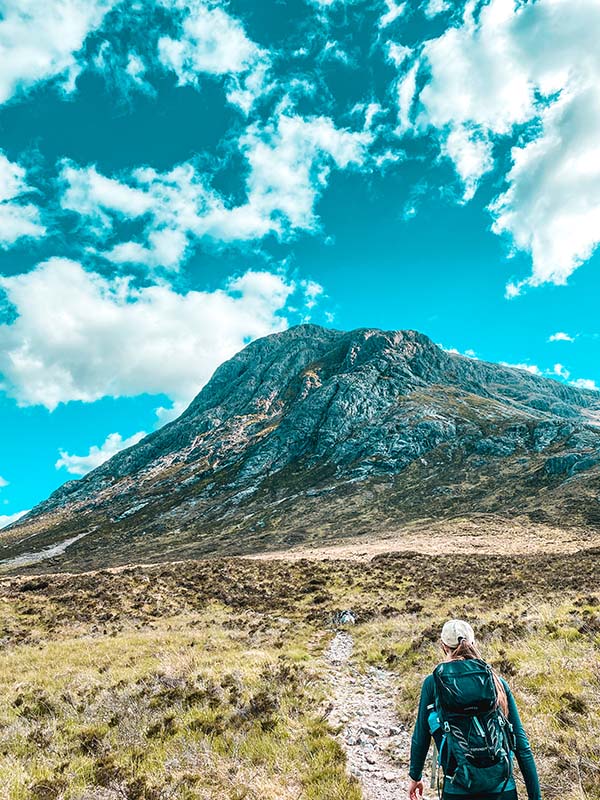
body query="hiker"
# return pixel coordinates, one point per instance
(471, 714)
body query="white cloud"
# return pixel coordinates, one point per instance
(512, 290)
(556, 371)
(333, 50)
(168, 414)
(435, 7)
(136, 69)
(471, 153)
(212, 41)
(476, 76)
(175, 204)
(80, 336)
(3, 482)
(8, 519)
(289, 162)
(406, 88)
(81, 465)
(92, 195)
(245, 90)
(551, 207)
(397, 53)
(39, 40)
(124, 70)
(561, 371)
(469, 353)
(394, 10)
(510, 64)
(12, 179)
(215, 43)
(312, 291)
(560, 336)
(531, 368)
(585, 383)
(18, 219)
(371, 112)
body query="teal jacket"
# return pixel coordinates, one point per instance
(421, 739)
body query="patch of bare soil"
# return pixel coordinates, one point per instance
(480, 534)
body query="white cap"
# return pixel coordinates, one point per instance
(456, 629)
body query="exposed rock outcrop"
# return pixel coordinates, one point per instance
(321, 433)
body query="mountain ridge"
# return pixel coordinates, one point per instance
(316, 412)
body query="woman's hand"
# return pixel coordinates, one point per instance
(415, 790)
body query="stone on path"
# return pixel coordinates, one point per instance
(377, 746)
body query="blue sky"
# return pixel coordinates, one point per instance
(179, 178)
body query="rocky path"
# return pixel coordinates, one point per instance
(376, 745)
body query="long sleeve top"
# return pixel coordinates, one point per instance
(421, 740)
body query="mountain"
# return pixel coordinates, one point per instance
(314, 435)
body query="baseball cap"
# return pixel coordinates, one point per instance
(456, 629)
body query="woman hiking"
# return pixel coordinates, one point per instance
(472, 716)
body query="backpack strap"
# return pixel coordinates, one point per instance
(444, 739)
(443, 744)
(506, 726)
(436, 697)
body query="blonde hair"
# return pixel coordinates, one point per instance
(465, 649)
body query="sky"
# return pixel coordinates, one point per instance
(180, 178)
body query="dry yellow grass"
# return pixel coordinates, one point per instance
(548, 650)
(202, 679)
(478, 534)
(198, 705)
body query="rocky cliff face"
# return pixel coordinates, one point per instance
(315, 434)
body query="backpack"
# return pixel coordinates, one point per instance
(477, 738)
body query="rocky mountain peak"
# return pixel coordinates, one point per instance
(312, 413)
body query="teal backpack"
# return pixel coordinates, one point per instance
(477, 739)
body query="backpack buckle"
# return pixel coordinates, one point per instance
(446, 727)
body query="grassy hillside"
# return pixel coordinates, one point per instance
(204, 679)
(311, 436)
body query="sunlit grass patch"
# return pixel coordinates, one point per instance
(213, 704)
(204, 679)
(549, 652)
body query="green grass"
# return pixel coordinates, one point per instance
(191, 706)
(549, 653)
(204, 680)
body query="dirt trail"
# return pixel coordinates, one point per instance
(376, 744)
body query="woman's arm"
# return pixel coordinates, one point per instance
(523, 749)
(421, 737)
